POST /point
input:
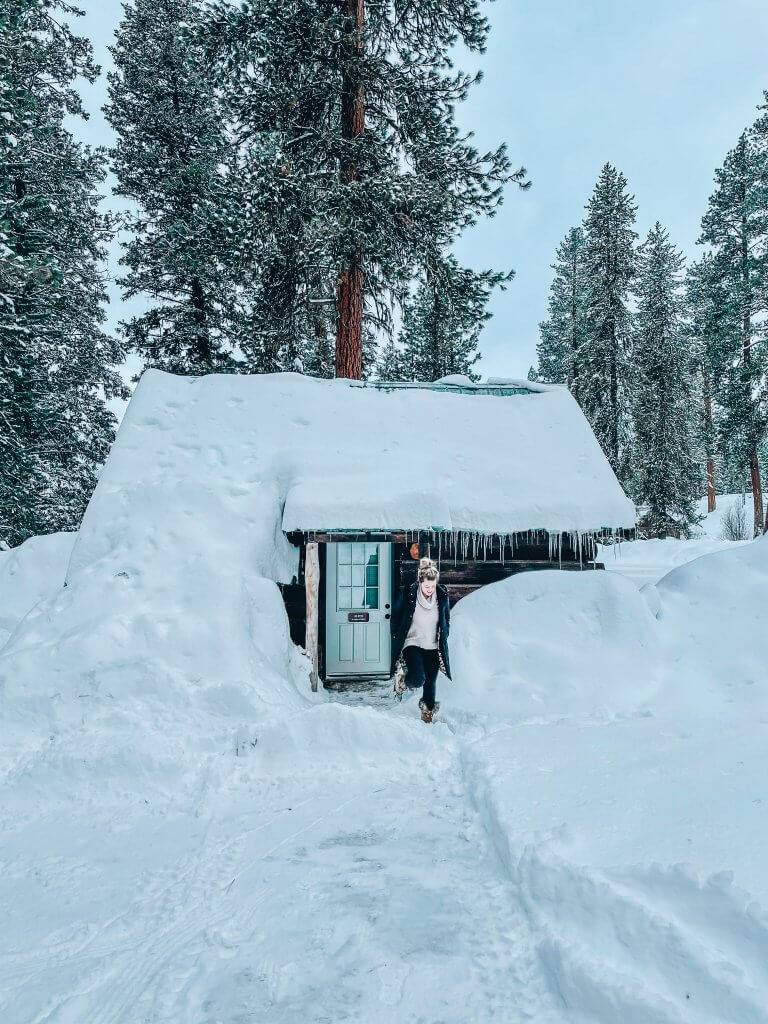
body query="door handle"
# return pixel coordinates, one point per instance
(386, 616)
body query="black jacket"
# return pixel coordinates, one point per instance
(402, 616)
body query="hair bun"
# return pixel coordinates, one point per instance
(427, 570)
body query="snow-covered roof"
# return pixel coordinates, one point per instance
(341, 455)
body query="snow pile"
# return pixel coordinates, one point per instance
(140, 672)
(636, 843)
(28, 573)
(713, 622)
(170, 640)
(553, 643)
(647, 561)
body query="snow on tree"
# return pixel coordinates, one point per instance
(171, 159)
(601, 377)
(665, 476)
(442, 321)
(365, 174)
(735, 226)
(563, 333)
(57, 366)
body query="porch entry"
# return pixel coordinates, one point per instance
(358, 609)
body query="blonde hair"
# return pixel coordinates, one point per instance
(428, 570)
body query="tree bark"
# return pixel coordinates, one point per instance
(349, 326)
(200, 314)
(746, 355)
(757, 492)
(708, 427)
(351, 280)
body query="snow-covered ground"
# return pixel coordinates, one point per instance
(647, 561)
(188, 836)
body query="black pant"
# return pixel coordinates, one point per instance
(422, 667)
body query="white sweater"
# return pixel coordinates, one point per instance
(423, 630)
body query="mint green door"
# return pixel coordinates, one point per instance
(358, 608)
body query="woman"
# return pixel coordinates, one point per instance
(421, 623)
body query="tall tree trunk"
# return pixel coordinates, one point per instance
(200, 314)
(708, 430)
(572, 370)
(351, 280)
(614, 385)
(746, 355)
(757, 491)
(349, 323)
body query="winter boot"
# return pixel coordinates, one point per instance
(400, 685)
(428, 714)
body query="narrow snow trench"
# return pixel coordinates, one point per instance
(372, 894)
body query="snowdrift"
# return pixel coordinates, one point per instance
(635, 843)
(139, 673)
(553, 643)
(714, 625)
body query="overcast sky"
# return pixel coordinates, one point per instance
(660, 88)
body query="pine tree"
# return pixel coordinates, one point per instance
(563, 333)
(172, 159)
(442, 321)
(735, 225)
(368, 174)
(57, 366)
(601, 377)
(665, 474)
(391, 364)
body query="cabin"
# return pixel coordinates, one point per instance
(333, 489)
(488, 479)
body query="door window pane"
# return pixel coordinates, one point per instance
(371, 597)
(358, 553)
(344, 577)
(358, 597)
(345, 597)
(344, 553)
(358, 575)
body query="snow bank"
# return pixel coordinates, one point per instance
(140, 673)
(713, 619)
(553, 643)
(635, 843)
(28, 573)
(647, 561)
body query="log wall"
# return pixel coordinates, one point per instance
(459, 578)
